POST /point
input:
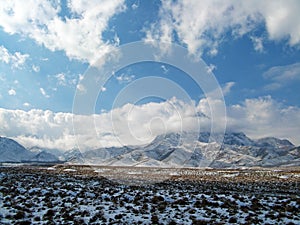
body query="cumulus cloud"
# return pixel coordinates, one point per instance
(202, 25)
(258, 117)
(12, 92)
(128, 125)
(265, 117)
(282, 75)
(38, 127)
(79, 35)
(137, 124)
(15, 60)
(142, 123)
(257, 43)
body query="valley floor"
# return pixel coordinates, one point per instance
(69, 194)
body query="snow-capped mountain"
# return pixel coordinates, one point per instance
(232, 149)
(44, 157)
(73, 156)
(274, 143)
(228, 138)
(12, 151)
(56, 152)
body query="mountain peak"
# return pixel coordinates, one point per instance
(274, 142)
(228, 138)
(237, 138)
(44, 156)
(173, 149)
(12, 151)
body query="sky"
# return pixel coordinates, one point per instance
(250, 49)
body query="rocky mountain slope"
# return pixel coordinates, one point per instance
(233, 149)
(229, 150)
(11, 151)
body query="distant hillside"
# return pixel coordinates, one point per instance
(12, 151)
(231, 150)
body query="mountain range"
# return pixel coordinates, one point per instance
(12, 152)
(229, 150)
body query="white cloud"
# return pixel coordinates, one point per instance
(202, 25)
(227, 87)
(80, 77)
(134, 6)
(257, 43)
(35, 68)
(80, 36)
(43, 92)
(282, 75)
(61, 78)
(125, 78)
(126, 125)
(165, 69)
(265, 117)
(281, 19)
(103, 89)
(38, 127)
(211, 68)
(81, 88)
(139, 124)
(12, 92)
(225, 90)
(15, 60)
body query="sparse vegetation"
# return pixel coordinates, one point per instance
(38, 196)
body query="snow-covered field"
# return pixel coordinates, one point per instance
(81, 195)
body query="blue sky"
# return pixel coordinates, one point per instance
(252, 48)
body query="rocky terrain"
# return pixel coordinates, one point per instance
(81, 195)
(228, 179)
(233, 150)
(229, 150)
(12, 151)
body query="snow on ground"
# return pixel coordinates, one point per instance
(43, 196)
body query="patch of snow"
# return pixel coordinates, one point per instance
(51, 168)
(70, 170)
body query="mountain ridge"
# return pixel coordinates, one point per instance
(13, 152)
(231, 149)
(234, 149)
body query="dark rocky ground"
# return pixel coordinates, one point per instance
(82, 195)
